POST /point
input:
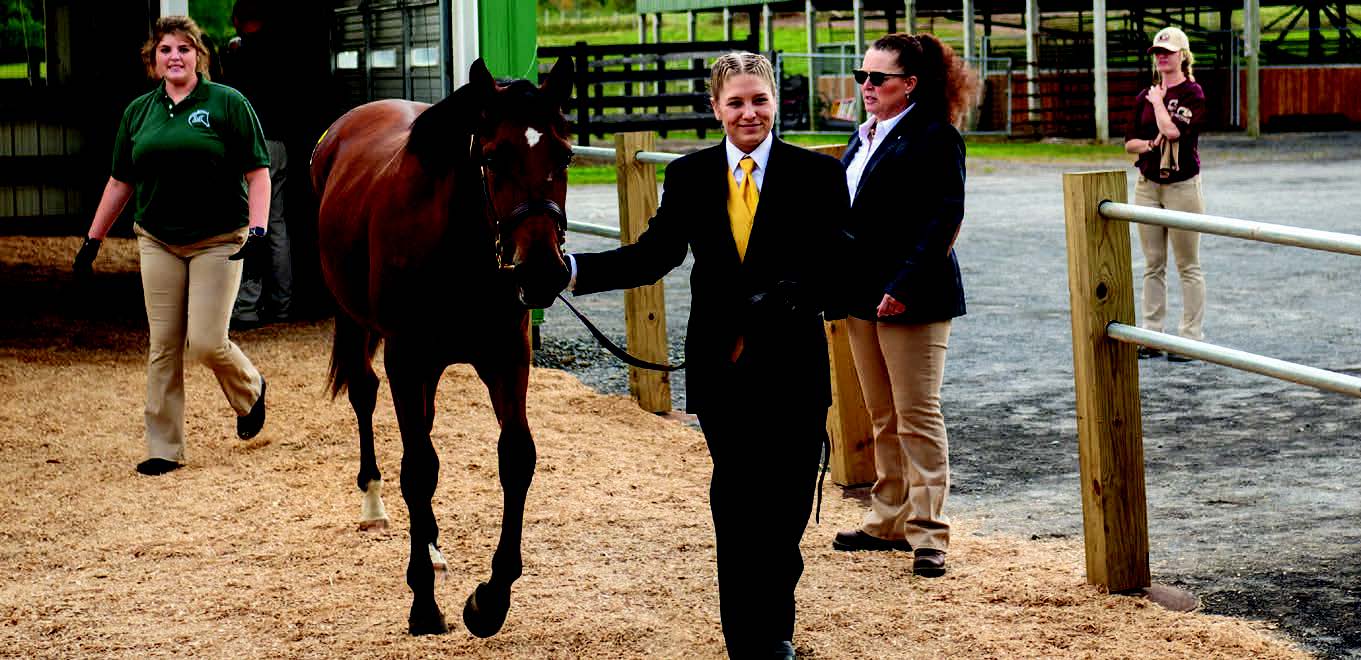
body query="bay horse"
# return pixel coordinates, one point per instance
(439, 227)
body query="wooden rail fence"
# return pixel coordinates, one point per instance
(1105, 364)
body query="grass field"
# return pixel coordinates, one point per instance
(19, 70)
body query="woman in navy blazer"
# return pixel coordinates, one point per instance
(905, 175)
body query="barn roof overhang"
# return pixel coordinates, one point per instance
(930, 7)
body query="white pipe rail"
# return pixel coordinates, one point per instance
(1265, 232)
(608, 154)
(1260, 364)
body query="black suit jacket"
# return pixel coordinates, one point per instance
(794, 238)
(904, 219)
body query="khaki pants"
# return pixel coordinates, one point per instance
(900, 369)
(1180, 196)
(189, 290)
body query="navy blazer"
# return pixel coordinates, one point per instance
(904, 218)
(794, 237)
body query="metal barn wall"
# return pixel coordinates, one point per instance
(384, 50)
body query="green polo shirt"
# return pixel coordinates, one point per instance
(186, 161)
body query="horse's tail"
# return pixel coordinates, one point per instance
(352, 351)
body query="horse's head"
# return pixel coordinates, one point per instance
(520, 153)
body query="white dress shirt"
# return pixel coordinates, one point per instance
(856, 168)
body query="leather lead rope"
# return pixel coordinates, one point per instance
(613, 348)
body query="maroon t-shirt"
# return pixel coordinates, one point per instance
(1186, 105)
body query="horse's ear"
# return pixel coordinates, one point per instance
(558, 85)
(440, 135)
(479, 76)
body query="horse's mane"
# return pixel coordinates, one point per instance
(440, 137)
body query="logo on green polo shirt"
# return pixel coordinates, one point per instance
(199, 118)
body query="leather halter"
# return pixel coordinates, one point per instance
(529, 207)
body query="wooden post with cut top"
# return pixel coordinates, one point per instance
(848, 422)
(645, 306)
(1106, 373)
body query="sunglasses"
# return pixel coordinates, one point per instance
(876, 78)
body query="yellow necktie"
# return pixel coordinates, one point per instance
(742, 200)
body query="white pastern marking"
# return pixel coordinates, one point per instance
(532, 136)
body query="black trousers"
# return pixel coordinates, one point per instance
(765, 474)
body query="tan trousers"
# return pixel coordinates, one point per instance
(900, 369)
(189, 291)
(1180, 196)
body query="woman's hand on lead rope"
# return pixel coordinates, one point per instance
(890, 306)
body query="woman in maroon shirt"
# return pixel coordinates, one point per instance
(1164, 133)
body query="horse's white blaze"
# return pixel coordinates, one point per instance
(532, 136)
(372, 506)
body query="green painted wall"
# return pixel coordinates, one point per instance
(507, 34)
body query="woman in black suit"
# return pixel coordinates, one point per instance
(755, 346)
(905, 175)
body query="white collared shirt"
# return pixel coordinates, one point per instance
(761, 154)
(856, 168)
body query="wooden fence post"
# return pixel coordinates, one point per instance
(1106, 374)
(644, 307)
(848, 422)
(583, 75)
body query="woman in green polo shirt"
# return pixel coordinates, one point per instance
(191, 157)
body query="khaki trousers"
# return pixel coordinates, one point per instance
(1180, 196)
(189, 290)
(900, 369)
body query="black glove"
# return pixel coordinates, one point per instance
(83, 266)
(784, 300)
(256, 254)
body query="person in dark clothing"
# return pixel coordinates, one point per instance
(761, 217)
(251, 64)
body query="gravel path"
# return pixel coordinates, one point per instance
(1252, 482)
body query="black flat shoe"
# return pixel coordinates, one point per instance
(928, 562)
(856, 540)
(153, 467)
(249, 424)
(1177, 357)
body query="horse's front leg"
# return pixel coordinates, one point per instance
(485, 610)
(413, 395)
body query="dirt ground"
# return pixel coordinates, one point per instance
(1252, 482)
(252, 550)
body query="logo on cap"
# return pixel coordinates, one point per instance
(1172, 39)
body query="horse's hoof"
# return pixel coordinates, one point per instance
(379, 525)
(430, 622)
(485, 612)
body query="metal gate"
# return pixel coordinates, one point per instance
(394, 49)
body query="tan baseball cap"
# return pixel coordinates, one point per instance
(1170, 39)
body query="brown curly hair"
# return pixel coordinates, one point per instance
(945, 83)
(187, 29)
